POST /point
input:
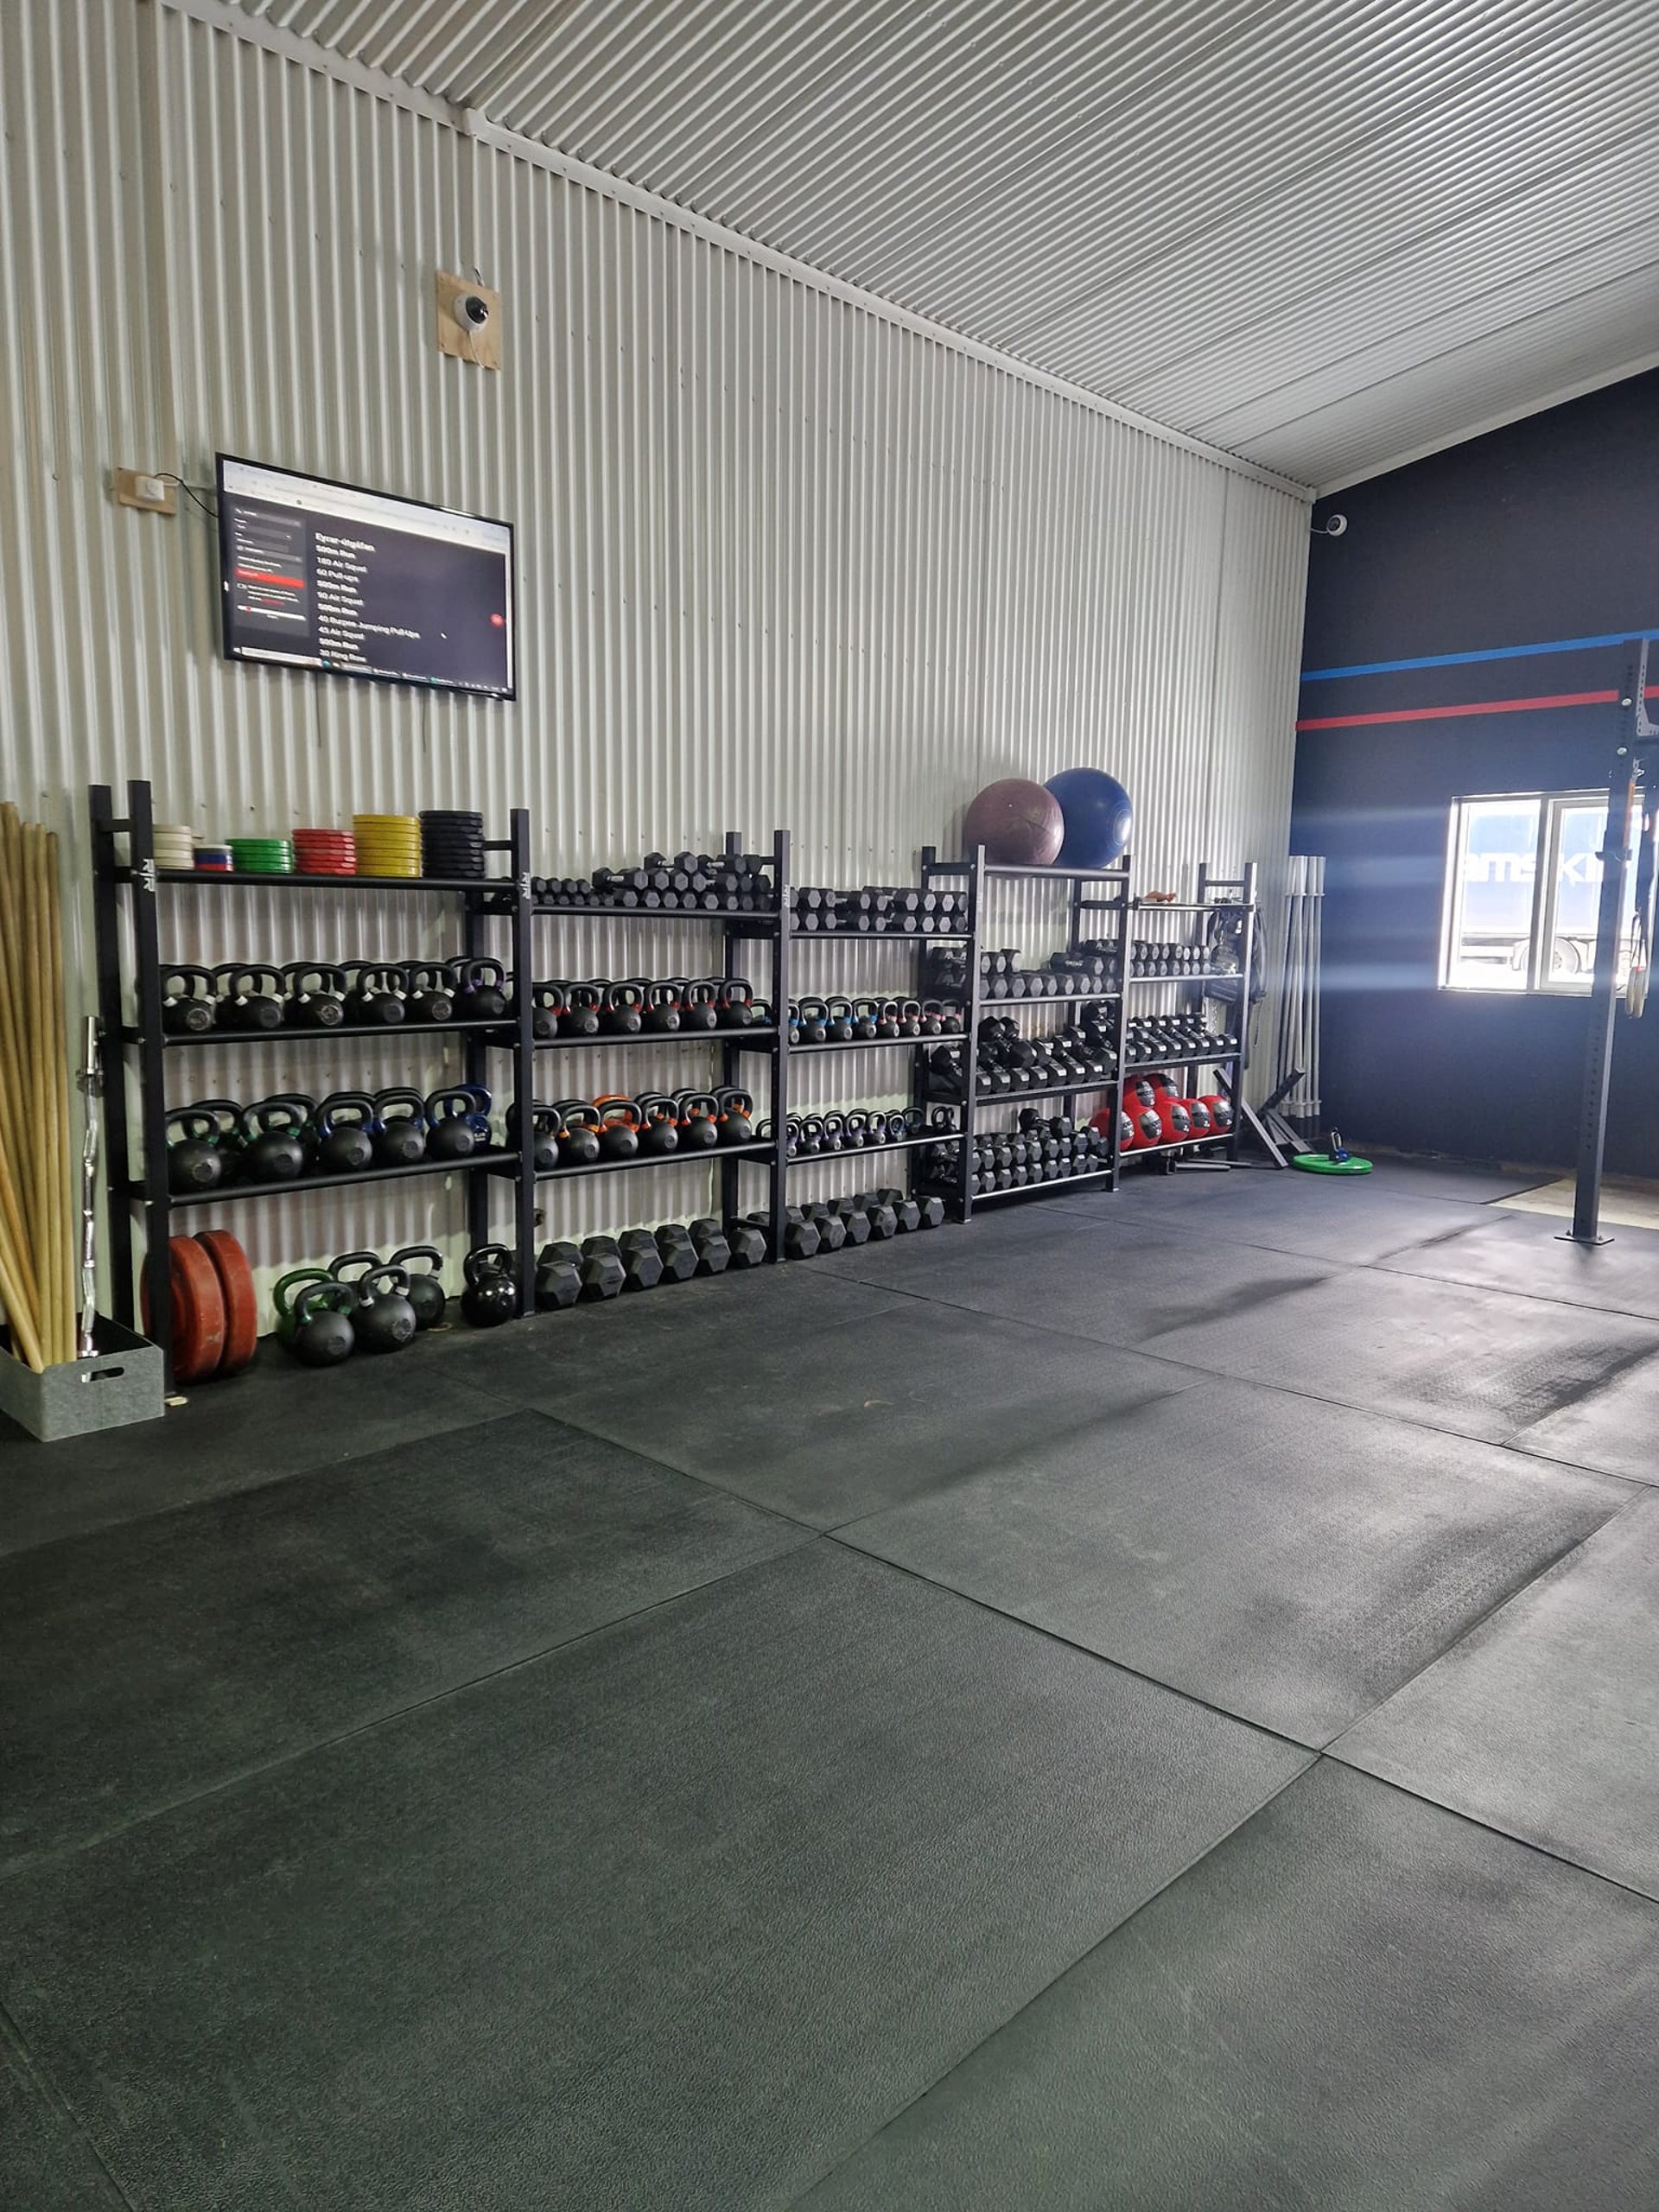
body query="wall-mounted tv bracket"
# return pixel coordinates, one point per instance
(1624, 805)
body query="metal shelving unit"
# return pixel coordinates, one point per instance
(137, 1175)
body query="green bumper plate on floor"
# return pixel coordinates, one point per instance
(1320, 1163)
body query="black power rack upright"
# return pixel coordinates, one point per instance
(1085, 888)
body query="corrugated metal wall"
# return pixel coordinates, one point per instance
(781, 559)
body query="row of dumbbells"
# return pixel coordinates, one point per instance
(604, 1267)
(878, 910)
(1086, 971)
(1172, 1036)
(1038, 1151)
(704, 883)
(1157, 957)
(826, 1225)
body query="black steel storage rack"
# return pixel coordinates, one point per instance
(1084, 887)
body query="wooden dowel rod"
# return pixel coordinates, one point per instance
(11, 1220)
(22, 1328)
(60, 1066)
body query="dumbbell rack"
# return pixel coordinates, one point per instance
(142, 1182)
(769, 1037)
(1084, 887)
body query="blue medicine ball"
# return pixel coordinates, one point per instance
(1098, 818)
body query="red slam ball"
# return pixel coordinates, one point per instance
(1018, 823)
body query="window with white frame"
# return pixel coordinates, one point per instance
(1523, 892)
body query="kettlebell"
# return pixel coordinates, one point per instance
(425, 1291)
(548, 1009)
(624, 1009)
(316, 995)
(736, 1115)
(190, 1012)
(345, 1127)
(867, 1015)
(584, 1002)
(910, 1018)
(481, 993)
(659, 1132)
(661, 1015)
(578, 1134)
(814, 1020)
(242, 1004)
(194, 1161)
(735, 1001)
(399, 1134)
(839, 1028)
(856, 1130)
(619, 1127)
(385, 1320)
(544, 1126)
(700, 1004)
(887, 1023)
(699, 1113)
(491, 1295)
(315, 1322)
(376, 997)
(810, 1137)
(833, 1136)
(449, 1132)
(431, 989)
(276, 1148)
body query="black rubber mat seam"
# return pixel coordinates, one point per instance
(13, 2036)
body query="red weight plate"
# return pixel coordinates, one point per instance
(241, 1301)
(198, 1312)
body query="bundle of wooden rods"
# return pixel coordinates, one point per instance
(37, 1220)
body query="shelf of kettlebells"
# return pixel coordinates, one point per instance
(758, 1037)
(498, 1162)
(706, 1156)
(388, 1031)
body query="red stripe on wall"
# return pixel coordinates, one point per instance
(1476, 707)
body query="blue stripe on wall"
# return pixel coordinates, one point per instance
(1458, 660)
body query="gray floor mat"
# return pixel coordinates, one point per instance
(675, 1916)
(1545, 1722)
(147, 1663)
(1292, 1562)
(1357, 2001)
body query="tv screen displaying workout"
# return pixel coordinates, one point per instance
(315, 575)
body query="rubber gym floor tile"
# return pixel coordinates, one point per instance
(1526, 1253)
(1292, 1562)
(46, 2165)
(1545, 1722)
(1474, 1361)
(677, 1916)
(1614, 1427)
(1122, 1283)
(1357, 2000)
(1345, 1223)
(909, 1399)
(1468, 1182)
(145, 1663)
(277, 1419)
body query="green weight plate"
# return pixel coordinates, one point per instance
(1320, 1163)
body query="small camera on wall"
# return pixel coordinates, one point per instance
(469, 320)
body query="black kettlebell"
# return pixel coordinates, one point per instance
(194, 1161)
(491, 1295)
(661, 1015)
(344, 1127)
(480, 994)
(659, 1130)
(376, 997)
(584, 1004)
(275, 1151)
(545, 1123)
(321, 1330)
(867, 1015)
(400, 1127)
(840, 1027)
(578, 1132)
(699, 1115)
(188, 1012)
(425, 1292)
(316, 994)
(736, 1115)
(451, 1134)
(619, 1127)
(242, 1004)
(735, 996)
(548, 1007)
(624, 1009)
(431, 989)
(385, 1320)
(814, 1021)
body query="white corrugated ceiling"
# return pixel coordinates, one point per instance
(1322, 234)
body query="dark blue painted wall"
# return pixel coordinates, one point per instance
(1545, 531)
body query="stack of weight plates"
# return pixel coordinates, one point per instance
(213, 860)
(387, 844)
(175, 845)
(452, 844)
(263, 855)
(324, 852)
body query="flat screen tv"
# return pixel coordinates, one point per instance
(316, 574)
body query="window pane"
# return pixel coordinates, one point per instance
(1492, 917)
(1578, 898)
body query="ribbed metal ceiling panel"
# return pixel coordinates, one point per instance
(1316, 231)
